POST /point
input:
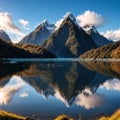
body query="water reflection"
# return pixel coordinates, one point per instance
(89, 101)
(65, 80)
(109, 68)
(80, 86)
(8, 90)
(113, 84)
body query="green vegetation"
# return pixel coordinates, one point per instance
(107, 51)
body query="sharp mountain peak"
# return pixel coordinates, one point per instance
(4, 35)
(90, 28)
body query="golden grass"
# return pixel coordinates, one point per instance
(115, 116)
(63, 117)
(10, 116)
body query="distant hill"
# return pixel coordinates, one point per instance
(98, 39)
(40, 34)
(107, 51)
(109, 68)
(9, 50)
(69, 40)
(4, 36)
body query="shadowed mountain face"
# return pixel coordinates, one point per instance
(98, 39)
(67, 78)
(69, 40)
(7, 70)
(9, 50)
(4, 36)
(107, 51)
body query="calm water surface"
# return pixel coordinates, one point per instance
(48, 88)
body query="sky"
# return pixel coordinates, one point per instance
(20, 17)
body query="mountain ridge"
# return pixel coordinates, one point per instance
(69, 40)
(41, 33)
(96, 36)
(22, 51)
(4, 36)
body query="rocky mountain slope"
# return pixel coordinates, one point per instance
(69, 40)
(40, 34)
(98, 39)
(4, 35)
(107, 51)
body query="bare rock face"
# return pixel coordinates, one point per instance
(69, 40)
(98, 39)
(40, 34)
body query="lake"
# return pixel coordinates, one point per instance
(46, 88)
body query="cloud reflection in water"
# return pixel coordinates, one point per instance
(89, 101)
(8, 91)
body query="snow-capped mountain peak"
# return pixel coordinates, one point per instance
(98, 39)
(90, 28)
(40, 34)
(50, 27)
(67, 16)
(70, 15)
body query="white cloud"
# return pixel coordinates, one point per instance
(24, 24)
(90, 18)
(112, 34)
(89, 101)
(112, 85)
(8, 91)
(6, 23)
(24, 94)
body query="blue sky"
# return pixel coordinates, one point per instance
(35, 11)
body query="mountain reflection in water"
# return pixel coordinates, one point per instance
(72, 87)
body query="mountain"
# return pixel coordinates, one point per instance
(40, 34)
(10, 50)
(4, 36)
(98, 39)
(69, 40)
(107, 51)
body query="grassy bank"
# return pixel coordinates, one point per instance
(63, 117)
(10, 116)
(115, 116)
